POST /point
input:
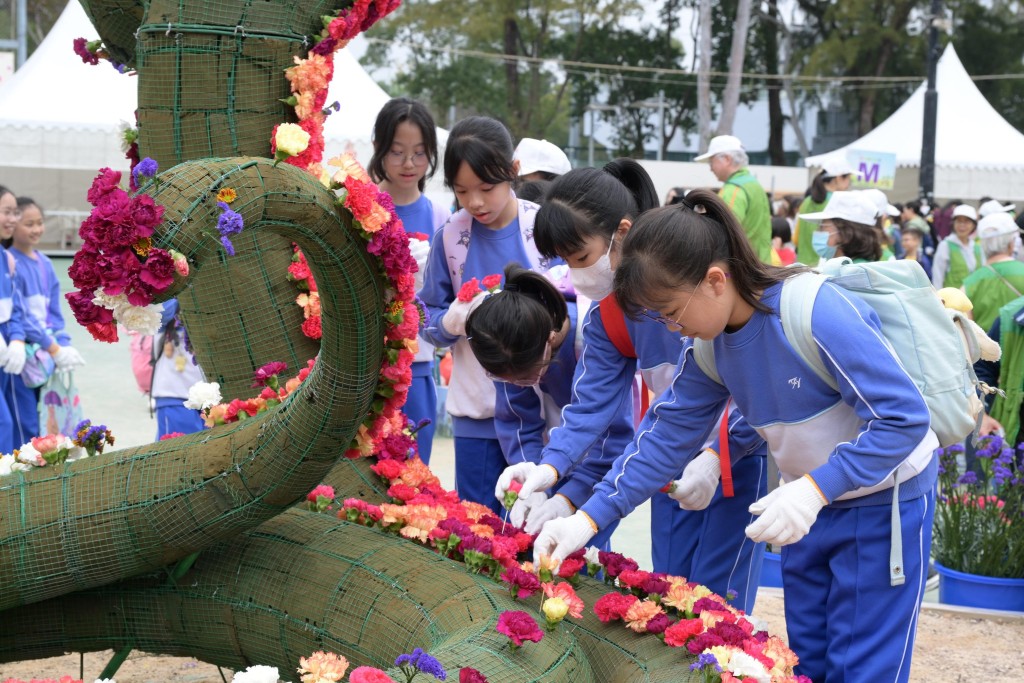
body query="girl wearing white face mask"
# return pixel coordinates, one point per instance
(583, 220)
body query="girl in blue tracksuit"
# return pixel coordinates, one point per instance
(587, 213)
(526, 337)
(43, 321)
(492, 229)
(12, 331)
(690, 265)
(404, 157)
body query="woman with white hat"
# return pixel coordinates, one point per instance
(959, 254)
(835, 176)
(1001, 280)
(846, 227)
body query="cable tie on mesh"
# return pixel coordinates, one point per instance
(168, 29)
(239, 27)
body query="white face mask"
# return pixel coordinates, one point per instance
(596, 281)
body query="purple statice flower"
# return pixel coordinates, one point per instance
(228, 247)
(967, 478)
(147, 168)
(706, 660)
(230, 222)
(731, 594)
(419, 661)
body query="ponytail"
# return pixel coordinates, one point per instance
(591, 202)
(509, 330)
(672, 247)
(818, 191)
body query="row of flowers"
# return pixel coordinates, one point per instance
(54, 449)
(327, 667)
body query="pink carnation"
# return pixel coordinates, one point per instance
(367, 674)
(321, 490)
(519, 627)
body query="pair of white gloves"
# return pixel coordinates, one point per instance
(12, 357)
(786, 514)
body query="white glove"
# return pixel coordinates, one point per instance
(555, 507)
(68, 358)
(454, 320)
(786, 513)
(420, 250)
(695, 489)
(526, 508)
(562, 537)
(518, 472)
(541, 478)
(15, 362)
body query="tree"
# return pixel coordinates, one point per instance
(737, 53)
(41, 16)
(529, 95)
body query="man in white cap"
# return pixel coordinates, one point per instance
(959, 254)
(1001, 280)
(992, 206)
(540, 160)
(741, 191)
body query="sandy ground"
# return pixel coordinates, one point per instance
(951, 648)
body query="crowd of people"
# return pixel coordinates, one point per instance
(578, 378)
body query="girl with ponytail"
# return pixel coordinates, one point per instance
(851, 611)
(695, 530)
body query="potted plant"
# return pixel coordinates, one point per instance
(979, 527)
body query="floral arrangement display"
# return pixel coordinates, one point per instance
(680, 613)
(327, 667)
(310, 78)
(92, 51)
(309, 297)
(55, 449)
(979, 514)
(118, 271)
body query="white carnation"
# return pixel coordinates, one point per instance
(742, 664)
(110, 302)
(9, 464)
(76, 453)
(203, 395)
(141, 319)
(29, 455)
(592, 556)
(256, 674)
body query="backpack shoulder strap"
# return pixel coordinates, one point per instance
(796, 304)
(455, 239)
(615, 325)
(704, 354)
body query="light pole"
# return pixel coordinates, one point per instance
(20, 42)
(590, 139)
(926, 177)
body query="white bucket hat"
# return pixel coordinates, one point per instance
(838, 166)
(540, 155)
(849, 206)
(719, 145)
(993, 206)
(881, 202)
(996, 225)
(967, 211)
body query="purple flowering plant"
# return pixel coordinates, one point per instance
(979, 513)
(417, 662)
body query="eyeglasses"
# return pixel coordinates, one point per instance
(664, 320)
(399, 158)
(533, 379)
(11, 213)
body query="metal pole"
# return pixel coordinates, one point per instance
(22, 28)
(661, 124)
(590, 141)
(931, 109)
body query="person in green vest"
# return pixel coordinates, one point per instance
(846, 227)
(835, 176)
(1001, 280)
(959, 254)
(1009, 369)
(741, 191)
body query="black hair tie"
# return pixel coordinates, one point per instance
(511, 287)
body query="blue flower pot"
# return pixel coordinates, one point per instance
(771, 570)
(973, 590)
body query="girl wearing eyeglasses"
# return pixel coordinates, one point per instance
(696, 530)
(12, 331)
(848, 617)
(526, 338)
(404, 157)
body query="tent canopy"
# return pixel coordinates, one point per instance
(970, 133)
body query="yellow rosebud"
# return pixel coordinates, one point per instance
(291, 140)
(554, 610)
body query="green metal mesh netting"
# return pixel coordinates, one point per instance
(272, 582)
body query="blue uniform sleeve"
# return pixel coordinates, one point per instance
(581, 481)
(15, 326)
(437, 293)
(671, 433)
(872, 381)
(54, 316)
(602, 382)
(35, 332)
(518, 422)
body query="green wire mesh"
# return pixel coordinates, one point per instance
(304, 582)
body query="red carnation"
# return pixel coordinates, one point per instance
(311, 327)
(678, 633)
(469, 290)
(519, 627)
(613, 606)
(467, 675)
(492, 282)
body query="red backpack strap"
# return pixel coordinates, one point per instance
(615, 326)
(723, 455)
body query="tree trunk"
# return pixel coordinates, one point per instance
(512, 67)
(776, 120)
(731, 96)
(703, 75)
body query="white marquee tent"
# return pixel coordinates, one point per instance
(977, 152)
(60, 119)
